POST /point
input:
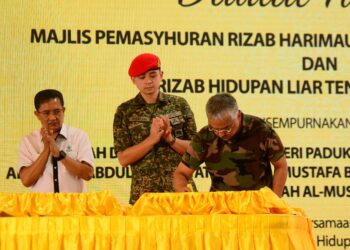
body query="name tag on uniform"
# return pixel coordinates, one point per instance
(139, 119)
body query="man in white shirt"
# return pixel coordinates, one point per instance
(55, 158)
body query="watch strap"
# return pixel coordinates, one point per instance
(61, 156)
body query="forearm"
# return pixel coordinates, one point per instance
(136, 152)
(180, 182)
(279, 180)
(181, 176)
(30, 175)
(77, 168)
(180, 146)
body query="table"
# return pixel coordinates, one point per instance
(157, 221)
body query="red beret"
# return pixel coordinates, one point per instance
(143, 63)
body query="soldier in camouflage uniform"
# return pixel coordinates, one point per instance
(237, 150)
(152, 130)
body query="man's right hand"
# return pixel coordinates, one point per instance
(49, 142)
(157, 129)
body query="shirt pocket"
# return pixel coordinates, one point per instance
(138, 129)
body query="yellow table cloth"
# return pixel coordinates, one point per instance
(58, 204)
(250, 220)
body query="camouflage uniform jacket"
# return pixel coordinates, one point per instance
(241, 163)
(132, 122)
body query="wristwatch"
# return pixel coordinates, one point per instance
(172, 141)
(61, 156)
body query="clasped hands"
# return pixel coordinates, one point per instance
(49, 142)
(161, 128)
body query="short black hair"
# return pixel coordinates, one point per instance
(46, 95)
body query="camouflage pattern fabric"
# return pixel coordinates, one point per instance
(132, 122)
(243, 162)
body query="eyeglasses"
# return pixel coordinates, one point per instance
(54, 112)
(224, 130)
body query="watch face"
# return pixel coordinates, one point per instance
(62, 155)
